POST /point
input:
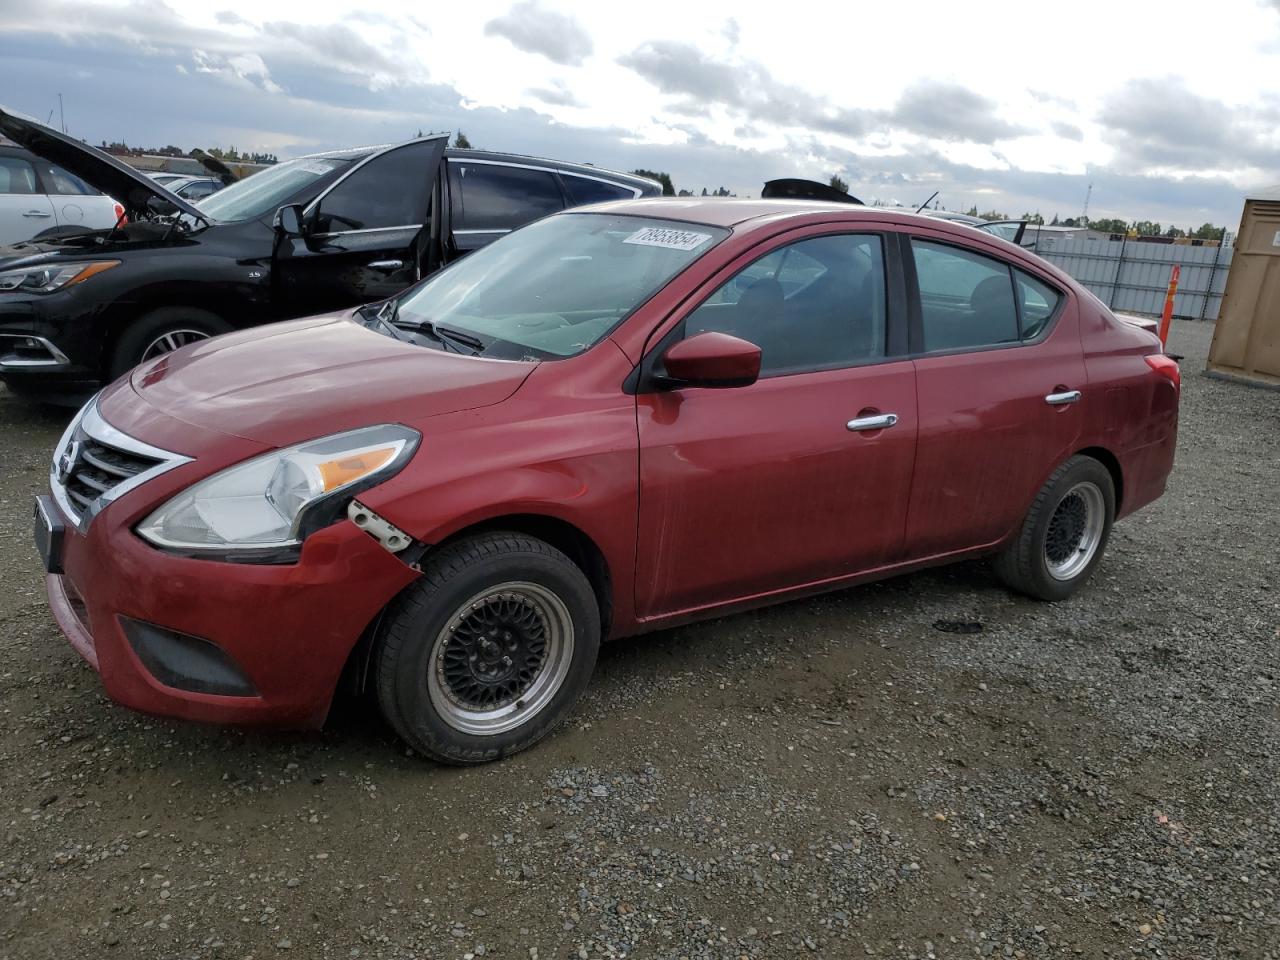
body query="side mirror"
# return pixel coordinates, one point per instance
(288, 220)
(711, 360)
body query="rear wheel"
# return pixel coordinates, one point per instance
(1064, 534)
(163, 331)
(489, 650)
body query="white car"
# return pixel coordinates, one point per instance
(39, 199)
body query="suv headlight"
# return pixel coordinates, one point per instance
(48, 277)
(270, 504)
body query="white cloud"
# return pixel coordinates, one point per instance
(1001, 98)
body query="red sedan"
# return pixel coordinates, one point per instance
(609, 421)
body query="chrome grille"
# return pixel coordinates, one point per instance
(98, 469)
(95, 463)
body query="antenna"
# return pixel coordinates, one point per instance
(926, 203)
(1088, 194)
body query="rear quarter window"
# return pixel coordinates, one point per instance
(1038, 302)
(583, 190)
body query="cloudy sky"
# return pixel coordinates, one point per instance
(1170, 109)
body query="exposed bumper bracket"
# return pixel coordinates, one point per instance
(388, 535)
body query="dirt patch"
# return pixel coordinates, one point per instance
(837, 776)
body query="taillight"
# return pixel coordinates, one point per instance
(1167, 367)
(118, 210)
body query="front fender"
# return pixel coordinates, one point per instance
(571, 465)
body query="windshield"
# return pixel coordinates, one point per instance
(558, 286)
(261, 193)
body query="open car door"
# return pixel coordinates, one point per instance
(215, 167)
(366, 237)
(798, 189)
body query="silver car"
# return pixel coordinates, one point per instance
(40, 199)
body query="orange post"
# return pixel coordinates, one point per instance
(1167, 316)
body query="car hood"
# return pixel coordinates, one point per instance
(288, 382)
(131, 188)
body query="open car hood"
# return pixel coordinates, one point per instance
(215, 167)
(798, 189)
(130, 187)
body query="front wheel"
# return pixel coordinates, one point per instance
(163, 331)
(1064, 533)
(487, 652)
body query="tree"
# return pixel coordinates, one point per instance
(685, 193)
(1033, 218)
(1146, 228)
(972, 211)
(991, 215)
(1207, 231)
(1108, 226)
(461, 141)
(668, 188)
(836, 183)
(1175, 232)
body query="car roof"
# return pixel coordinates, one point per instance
(495, 156)
(565, 166)
(746, 215)
(732, 212)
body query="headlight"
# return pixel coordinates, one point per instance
(273, 502)
(49, 277)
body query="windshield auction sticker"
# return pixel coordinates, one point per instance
(666, 237)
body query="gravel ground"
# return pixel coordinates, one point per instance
(832, 777)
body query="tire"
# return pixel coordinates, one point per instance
(440, 682)
(1064, 534)
(139, 337)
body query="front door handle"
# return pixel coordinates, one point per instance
(879, 421)
(1066, 396)
(38, 213)
(387, 265)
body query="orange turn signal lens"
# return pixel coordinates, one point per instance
(335, 473)
(91, 270)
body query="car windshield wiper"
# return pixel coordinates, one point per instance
(384, 316)
(445, 336)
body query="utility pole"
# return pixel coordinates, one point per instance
(61, 114)
(1087, 195)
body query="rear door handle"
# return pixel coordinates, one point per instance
(387, 265)
(1058, 399)
(37, 213)
(879, 421)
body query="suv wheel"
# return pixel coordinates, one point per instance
(1064, 533)
(163, 331)
(487, 652)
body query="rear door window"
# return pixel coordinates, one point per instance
(584, 190)
(492, 196)
(966, 299)
(63, 184)
(17, 176)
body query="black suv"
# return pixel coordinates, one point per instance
(307, 236)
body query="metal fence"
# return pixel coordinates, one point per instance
(1133, 277)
